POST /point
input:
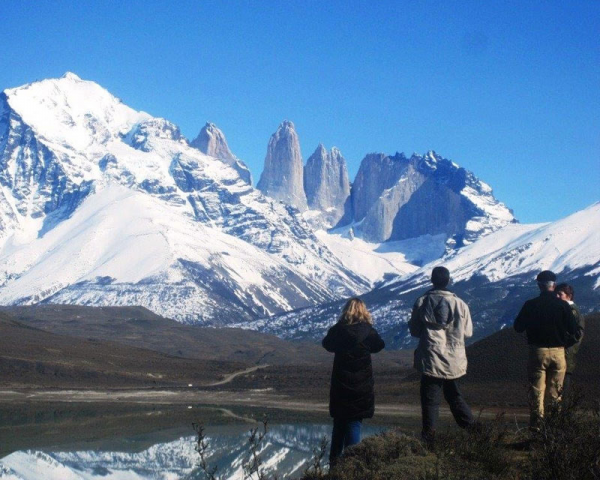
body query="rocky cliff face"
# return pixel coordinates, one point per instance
(326, 183)
(211, 141)
(377, 173)
(395, 198)
(283, 175)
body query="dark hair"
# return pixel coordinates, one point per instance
(440, 277)
(546, 276)
(568, 289)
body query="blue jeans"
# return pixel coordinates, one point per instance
(345, 433)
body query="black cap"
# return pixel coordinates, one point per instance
(546, 276)
(440, 277)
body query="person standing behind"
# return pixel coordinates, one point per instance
(550, 327)
(353, 339)
(442, 322)
(565, 292)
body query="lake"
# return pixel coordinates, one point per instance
(129, 443)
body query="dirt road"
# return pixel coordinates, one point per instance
(231, 376)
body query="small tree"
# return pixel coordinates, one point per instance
(254, 466)
(202, 448)
(315, 469)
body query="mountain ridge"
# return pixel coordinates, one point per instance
(104, 205)
(495, 275)
(68, 144)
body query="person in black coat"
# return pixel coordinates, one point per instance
(550, 327)
(351, 397)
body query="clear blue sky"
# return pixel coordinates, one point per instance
(509, 90)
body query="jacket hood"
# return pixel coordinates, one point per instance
(350, 336)
(436, 312)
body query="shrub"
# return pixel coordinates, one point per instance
(567, 446)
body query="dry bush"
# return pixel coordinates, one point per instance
(567, 446)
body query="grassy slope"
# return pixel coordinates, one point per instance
(33, 357)
(139, 327)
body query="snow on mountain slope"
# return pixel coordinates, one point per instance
(562, 246)
(120, 243)
(72, 113)
(495, 275)
(377, 261)
(100, 204)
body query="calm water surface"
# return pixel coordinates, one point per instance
(85, 443)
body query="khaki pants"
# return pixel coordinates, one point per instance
(546, 370)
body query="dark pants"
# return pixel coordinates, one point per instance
(431, 397)
(345, 433)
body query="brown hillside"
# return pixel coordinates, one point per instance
(139, 327)
(498, 365)
(33, 357)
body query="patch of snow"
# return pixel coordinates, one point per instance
(567, 244)
(377, 260)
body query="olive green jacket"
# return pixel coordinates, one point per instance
(572, 351)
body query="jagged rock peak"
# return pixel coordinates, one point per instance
(283, 174)
(211, 141)
(377, 173)
(321, 150)
(287, 125)
(396, 198)
(326, 183)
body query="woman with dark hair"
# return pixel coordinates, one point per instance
(351, 397)
(565, 292)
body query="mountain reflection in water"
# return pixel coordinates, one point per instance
(286, 451)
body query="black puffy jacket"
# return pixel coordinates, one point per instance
(351, 396)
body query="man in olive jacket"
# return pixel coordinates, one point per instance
(441, 321)
(551, 327)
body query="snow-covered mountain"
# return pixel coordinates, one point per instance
(104, 205)
(495, 275)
